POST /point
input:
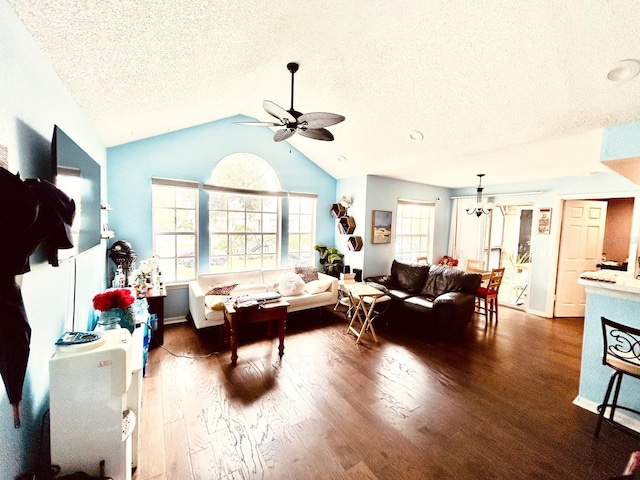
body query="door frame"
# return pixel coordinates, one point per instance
(634, 250)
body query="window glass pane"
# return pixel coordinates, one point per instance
(294, 243)
(218, 221)
(294, 225)
(270, 204)
(186, 198)
(163, 196)
(217, 201)
(167, 267)
(185, 220)
(219, 244)
(306, 223)
(254, 204)
(269, 243)
(165, 246)
(237, 244)
(253, 222)
(236, 222)
(186, 245)
(185, 269)
(270, 223)
(305, 242)
(294, 205)
(164, 220)
(236, 202)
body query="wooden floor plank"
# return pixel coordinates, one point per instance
(493, 404)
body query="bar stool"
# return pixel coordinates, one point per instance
(621, 353)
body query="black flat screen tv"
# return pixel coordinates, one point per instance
(69, 159)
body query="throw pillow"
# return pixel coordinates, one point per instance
(222, 289)
(290, 284)
(215, 302)
(317, 286)
(308, 274)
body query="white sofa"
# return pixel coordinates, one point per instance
(254, 281)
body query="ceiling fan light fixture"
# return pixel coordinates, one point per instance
(624, 70)
(480, 208)
(311, 125)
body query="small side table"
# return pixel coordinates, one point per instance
(233, 317)
(155, 298)
(357, 293)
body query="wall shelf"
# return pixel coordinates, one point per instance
(354, 243)
(338, 211)
(346, 225)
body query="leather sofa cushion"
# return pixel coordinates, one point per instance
(443, 279)
(409, 277)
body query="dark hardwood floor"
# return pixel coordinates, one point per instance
(494, 404)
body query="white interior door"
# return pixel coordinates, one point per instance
(581, 240)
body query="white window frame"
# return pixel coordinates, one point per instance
(234, 262)
(406, 234)
(296, 257)
(167, 182)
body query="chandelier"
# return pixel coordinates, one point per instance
(480, 206)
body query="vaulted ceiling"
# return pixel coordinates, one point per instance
(516, 89)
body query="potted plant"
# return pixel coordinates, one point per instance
(331, 260)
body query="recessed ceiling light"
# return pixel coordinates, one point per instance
(416, 135)
(342, 158)
(624, 70)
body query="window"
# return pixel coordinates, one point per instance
(175, 228)
(246, 221)
(414, 230)
(243, 231)
(302, 221)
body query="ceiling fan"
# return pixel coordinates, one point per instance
(310, 125)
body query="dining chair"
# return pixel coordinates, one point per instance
(422, 260)
(489, 296)
(475, 266)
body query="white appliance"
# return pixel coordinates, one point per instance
(92, 411)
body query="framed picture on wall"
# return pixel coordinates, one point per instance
(381, 227)
(544, 221)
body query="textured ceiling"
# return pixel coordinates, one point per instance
(513, 89)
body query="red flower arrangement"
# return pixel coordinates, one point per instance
(119, 298)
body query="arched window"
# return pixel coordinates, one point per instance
(246, 171)
(245, 217)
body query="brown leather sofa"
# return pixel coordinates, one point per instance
(440, 299)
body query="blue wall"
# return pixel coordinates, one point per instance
(192, 154)
(32, 100)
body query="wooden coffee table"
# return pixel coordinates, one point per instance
(233, 317)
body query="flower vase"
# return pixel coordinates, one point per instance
(109, 319)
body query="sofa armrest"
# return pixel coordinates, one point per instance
(380, 279)
(334, 284)
(196, 303)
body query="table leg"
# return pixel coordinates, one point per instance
(234, 338)
(282, 327)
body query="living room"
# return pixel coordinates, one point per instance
(35, 98)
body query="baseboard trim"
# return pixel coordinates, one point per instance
(621, 417)
(172, 320)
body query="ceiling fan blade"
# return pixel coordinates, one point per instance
(278, 112)
(283, 134)
(319, 119)
(316, 133)
(259, 124)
